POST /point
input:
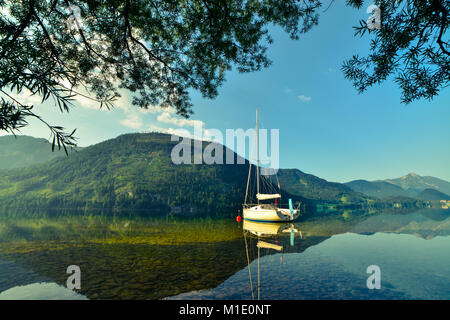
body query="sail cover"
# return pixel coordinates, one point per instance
(262, 196)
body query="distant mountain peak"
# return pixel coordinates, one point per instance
(410, 175)
(410, 185)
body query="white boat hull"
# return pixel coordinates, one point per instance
(258, 213)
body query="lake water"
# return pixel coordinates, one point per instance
(324, 258)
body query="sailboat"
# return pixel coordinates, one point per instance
(263, 210)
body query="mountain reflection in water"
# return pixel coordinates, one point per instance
(207, 259)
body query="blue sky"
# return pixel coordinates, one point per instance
(326, 127)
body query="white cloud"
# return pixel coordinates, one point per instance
(26, 97)
(304, 98)
(155, 128)
(167, 117)
(155, 109)
(172, 131)
(32, 99)
(135, 117)
(133, 120)
(199, 133)
(87, 103)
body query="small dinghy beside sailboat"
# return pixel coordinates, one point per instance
(263, 210)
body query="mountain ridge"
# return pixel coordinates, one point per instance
(134, 172)
(414, 181)
(22, 151)
(432, 194)
(410, 185)
(130, 174)
(313, 187)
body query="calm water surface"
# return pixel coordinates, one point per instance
(208, 259)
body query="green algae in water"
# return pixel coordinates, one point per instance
(121, 259)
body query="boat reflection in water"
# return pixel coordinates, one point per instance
(266, 237)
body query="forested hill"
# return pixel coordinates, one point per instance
(132, 174)
(432, 194)
(379, 189)
(23, 151)
(315, 188)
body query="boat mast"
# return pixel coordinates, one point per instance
(248, 181)
(257, 155)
